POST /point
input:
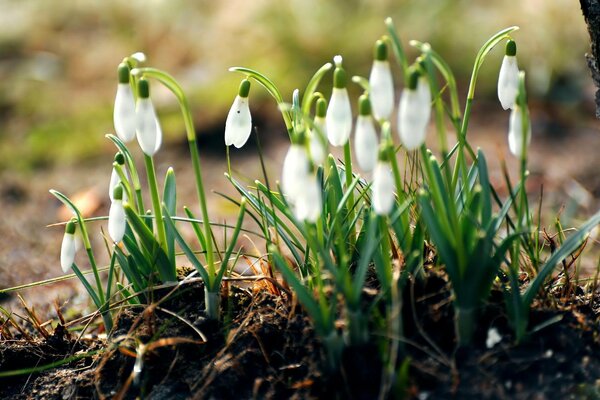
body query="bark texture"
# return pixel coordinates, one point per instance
(591, 13)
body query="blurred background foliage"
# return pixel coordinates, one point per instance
(58, 58)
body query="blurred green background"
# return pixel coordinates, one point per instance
(58, 58)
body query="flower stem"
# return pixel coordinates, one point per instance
(351, 210)
(158, 220)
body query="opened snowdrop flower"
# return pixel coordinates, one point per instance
(365, 137)
(68, 247)
(317, 148)
(296, 168)
(149, 133)
(124, 111)
(339, 112)
(239, 122)
(116, 216)
(508, 80)
(381, 83)
(114, 177)
(309, 201)
(414, 111)
(383, 186)
(517, 135)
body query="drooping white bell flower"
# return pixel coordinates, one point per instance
(116, 216)
(414, 112)
(508, 80)
(365, 137)
(124, 111)
(295, 171)
(318, 150)
(309, 201)
(516, 138)
(383, 187)
(149, 134)
(381, 83)
(114, 177)
(68, 247)
(239, 121)
(339, 112)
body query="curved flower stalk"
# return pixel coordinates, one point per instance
(124, 110)
(414, 111)
(381, 83)
(383, 185)
(339, 112)
(365, 137)
(149, 133)
(318, 151)
(508, 80)
(115, 179)
(239, 121)
(116, 216)
(296, 169)
(68, 247)
(517, 143)
(309, 201)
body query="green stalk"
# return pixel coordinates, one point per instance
(351, 210)
(153, 185)
(174, 87)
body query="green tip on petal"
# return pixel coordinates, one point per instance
(511, 48)
(339, 78)
(118, 192)
(321, 107)
(364, 105)
(119, 158)
(123, 71)
(383, 154)
(244, 88)
(143, 88)
(413, 78)
(301, 137)
(381, 50)
(70, 227)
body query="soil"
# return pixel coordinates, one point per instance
(265, 347)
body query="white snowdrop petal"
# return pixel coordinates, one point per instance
(382, 90)
(365, 143)
(508, 82)
(124, 113)
(116, 221)
(515, 132)
(413, 117)
(67, 252)
(339, 118)
(239, 123)
(309, 201)
(383, 189)
(318, 151)
(295, 172)
(147, 127)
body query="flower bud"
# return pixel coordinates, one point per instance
(508, 79)
(68, 247)
(115, 179)
(515, 132)
(149, 133)
(381, 83)
(383, 187)
(309, 201)
(124, 110)
(339, 112)
(365, 137)
(317, 149)
(239, 121)
(116, 216)
(295, 171)
(414, 111)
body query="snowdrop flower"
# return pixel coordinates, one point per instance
(116, 216)
(317, 149)
(149, 133)
(295, 171)
(365, 138)
(239, 122)
(515, 132)
(68, 247)
(383, 185)
(339, 112)
(124, 111)
(508, 81)
(414, 111)
(309, 201)
(114, 177)
(381, 83)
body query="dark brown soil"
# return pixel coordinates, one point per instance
(265, 347)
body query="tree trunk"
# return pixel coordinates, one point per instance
(591, 13)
